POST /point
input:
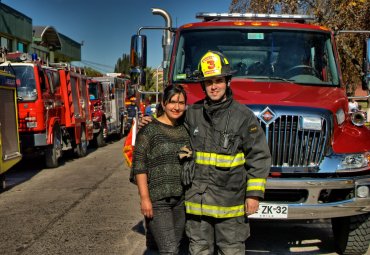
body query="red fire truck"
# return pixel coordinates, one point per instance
(9, 139)
(107, 95)
(287, 71)
(53, 107)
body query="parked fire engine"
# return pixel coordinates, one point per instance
(287, 71)
(53, 107)
(107, 96)
(9, 139)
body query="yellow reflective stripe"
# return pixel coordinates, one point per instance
(219, 160)
(213, 210)
(256, 184)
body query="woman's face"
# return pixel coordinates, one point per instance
(175, 107)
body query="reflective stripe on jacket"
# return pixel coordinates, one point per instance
(219, 160)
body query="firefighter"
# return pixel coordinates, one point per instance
(230, 162)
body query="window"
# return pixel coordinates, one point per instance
(21, 47)
(304, 57)
(6, 43)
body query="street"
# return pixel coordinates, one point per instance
(88, 206)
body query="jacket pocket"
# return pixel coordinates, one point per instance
(227, 143)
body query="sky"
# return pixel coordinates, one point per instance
(106, 27)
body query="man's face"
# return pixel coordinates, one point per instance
(216, 88)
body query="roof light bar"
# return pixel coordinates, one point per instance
(207, 16)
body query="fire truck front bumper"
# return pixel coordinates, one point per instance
(30, 140)
(315, 198)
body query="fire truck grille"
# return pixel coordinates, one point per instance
(292, 146)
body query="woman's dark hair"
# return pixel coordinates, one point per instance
(168, 93)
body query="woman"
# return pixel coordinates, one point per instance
(157, 169)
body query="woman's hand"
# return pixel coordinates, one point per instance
(147, 208)
(146, 203)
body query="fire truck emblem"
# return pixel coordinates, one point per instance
(267, 115)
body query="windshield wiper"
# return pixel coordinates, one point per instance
(275, 78)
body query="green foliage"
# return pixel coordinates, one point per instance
(92, 72)
(151, 79)
(334, 14)
(123, 64)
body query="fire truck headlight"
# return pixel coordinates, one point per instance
(353, 162)
(31, 124)
(340, 116)
(363, 191)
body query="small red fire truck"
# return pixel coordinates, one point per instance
(53, 107)
(287, 72)
(9, 139)
(107, 95)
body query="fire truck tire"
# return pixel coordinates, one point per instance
(352, 234)
(120, 132)
(81, 148)
(3, 182)
(99, 139)
(53, 151)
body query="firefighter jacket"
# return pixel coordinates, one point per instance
(232, 158)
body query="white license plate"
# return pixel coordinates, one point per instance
(271, 211)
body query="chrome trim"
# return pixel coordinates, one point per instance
(312, 208)
(291, 146)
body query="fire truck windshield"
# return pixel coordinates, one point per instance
(304, 57)
(93, 90)
(25, 80)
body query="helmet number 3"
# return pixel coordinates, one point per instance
(211, 64)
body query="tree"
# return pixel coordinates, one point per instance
(151, 79)
(123, 64)
(92, 72)
(334, 14)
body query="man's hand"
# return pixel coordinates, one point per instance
(251, 205)
(144, 121)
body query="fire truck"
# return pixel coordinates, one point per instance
(53, 107)
(107, 95)
(287, 71)
(9, 139)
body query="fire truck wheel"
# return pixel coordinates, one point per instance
(82, 146)
(3, 182)
(99, 139)
(352, 234)
(121, 131)
(53, 151)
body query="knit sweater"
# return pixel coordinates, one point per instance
(156, 149)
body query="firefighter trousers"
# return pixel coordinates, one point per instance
(208, 235)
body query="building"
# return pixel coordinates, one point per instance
(18, 34)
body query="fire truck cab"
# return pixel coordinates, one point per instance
(53, 107)
(9, 140)
(287, 72)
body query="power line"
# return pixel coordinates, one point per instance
(97, 64)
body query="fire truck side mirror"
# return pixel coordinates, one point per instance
(366, 79)
(138, 76)
(138, 51)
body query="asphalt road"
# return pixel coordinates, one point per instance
(88, 206)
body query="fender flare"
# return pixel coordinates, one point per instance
(50, 128)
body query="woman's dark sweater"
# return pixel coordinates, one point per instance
(155, 153)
